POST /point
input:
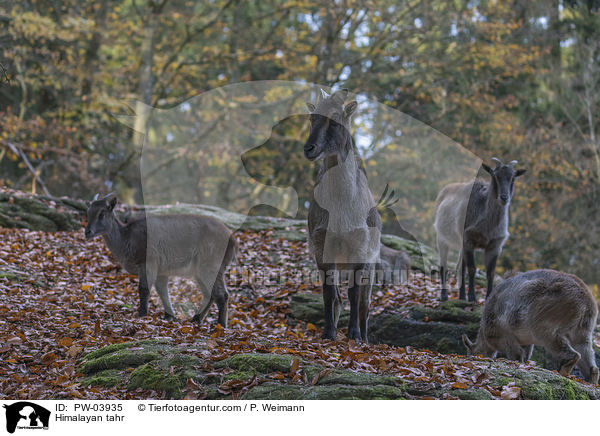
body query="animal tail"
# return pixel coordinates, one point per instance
(233, 248)
(231, 253)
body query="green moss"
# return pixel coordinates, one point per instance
(107, 378)
(573, 390)
(541, 384)
(452, 311)
(151, 377)
(31, 213)
(260, 363)
(541, 391)
(346, 377)
(471, 394)
(118, 360)
(503, 381)
(10, 275)
(240, 375)
(275, 391)
(309, 308)
(109, 349)
(125, 355)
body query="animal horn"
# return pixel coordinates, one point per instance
(324, 94)
(96, 196)
(108, 195)
(498, 161)
(467, 341)
(513, 162)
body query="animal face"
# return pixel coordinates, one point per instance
(99, 217)
(503, 180)
(476, 348)
(330, 126)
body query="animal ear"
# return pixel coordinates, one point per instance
(350, 108)
(311, 107)
(112, 203)
(467, 342)
(520, 172)
(486, 168)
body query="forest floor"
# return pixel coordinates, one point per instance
(62, 296)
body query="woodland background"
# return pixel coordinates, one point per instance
(513, 79)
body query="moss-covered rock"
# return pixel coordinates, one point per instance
(258, 363)
(39, 213)
(309, 308)
(105, 378)
(275, 391)
(152, 376)
(393, 328)
(541, 384)
(171, 366)
(121, 356)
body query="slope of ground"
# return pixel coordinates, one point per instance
(68, 329)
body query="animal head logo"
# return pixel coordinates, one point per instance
(26, 415)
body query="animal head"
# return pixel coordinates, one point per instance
(477, 347)
(503, 179)
(330, 125)
(100, 215)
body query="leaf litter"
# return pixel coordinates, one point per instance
(69, 297)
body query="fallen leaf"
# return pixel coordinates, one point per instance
(510, 393)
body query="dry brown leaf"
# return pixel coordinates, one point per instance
(510, 393)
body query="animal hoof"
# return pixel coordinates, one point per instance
(169, 317)
(142, 312)
(196, 319)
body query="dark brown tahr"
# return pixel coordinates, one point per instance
(344, 226)
(474, 215)
(156, 247)
(548, 308)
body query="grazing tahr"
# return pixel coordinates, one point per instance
(392, 264)
(344, 226)
(544, 307)
(156, 247)
(474, 215)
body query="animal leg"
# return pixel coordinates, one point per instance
(587, 363)
(162, 289)
(461, 270)
(330, 303)
(353, 327)
(469, 258)
(491, 257)
(363, 309)
(443, 251)
(338, 307)
(207, 300)
(562, 351)
(221, 296)
(147, 277)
